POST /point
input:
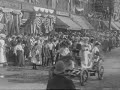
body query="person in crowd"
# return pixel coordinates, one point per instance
(105, 45)
(78, 47)
(56, 49)
(8, 47)
(35, 55)
(91, 43)
(19, 52)
(50, 45)
(46, 54)
(65, 56)
(12, 54)
(110, 44)
(39, 48)
(3, 60)
(26, 48)
(95, 51)
(85, 53)
(59, 81)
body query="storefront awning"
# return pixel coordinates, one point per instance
(113, 25)
(117, 24)
(80, 20)
(60, 24)
(67, 21)
(106, 23)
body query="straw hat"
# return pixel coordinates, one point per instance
(59, 67)
(85, 39)
(20, 36)
(2, 35)
(13, 36)
(97, 43)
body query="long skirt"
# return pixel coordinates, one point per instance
(20, 58)
(2, 56)
(85, 58)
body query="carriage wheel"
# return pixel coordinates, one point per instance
(83, 77)
(100, 72)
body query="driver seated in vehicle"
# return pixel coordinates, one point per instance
(96, 52)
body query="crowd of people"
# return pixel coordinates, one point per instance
(44, 50)
(62, 49)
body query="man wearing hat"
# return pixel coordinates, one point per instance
(59, 81)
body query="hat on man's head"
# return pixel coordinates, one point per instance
(13, 36)
(2, 35)
(85, 39)
(97, 43)
(59, 67)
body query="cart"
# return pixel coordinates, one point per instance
(77, 72)
(83, 73)
(97, 68)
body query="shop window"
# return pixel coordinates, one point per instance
(49, 3)
(62, 5)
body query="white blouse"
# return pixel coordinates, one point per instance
(18, 47)
(64, 51)
(95, 49)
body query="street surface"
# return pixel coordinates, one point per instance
(28, 79)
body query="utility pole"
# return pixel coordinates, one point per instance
(110, 13)
(109, 22)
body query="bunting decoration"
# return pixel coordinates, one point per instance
(38, 22)
(43, 10)
(46, 21)
(11, 20)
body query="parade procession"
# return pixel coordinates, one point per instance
(62, 44)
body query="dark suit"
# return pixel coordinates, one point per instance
(60, 82)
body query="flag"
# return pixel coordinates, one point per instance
(69, 6)
(54, 4)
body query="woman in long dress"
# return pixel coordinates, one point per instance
(39, 51)
(2, 51)
(35, 56)
(86, 53)
(19, 51)
(46, 54)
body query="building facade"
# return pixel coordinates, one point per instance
(117, 10)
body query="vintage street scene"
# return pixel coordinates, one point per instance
(59, 44)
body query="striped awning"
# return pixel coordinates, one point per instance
(80, 20)
(69, 22)
(115, 26)
(106, 23)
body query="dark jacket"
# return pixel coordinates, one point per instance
(60, 82)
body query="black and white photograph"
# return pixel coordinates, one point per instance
(59, 44)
